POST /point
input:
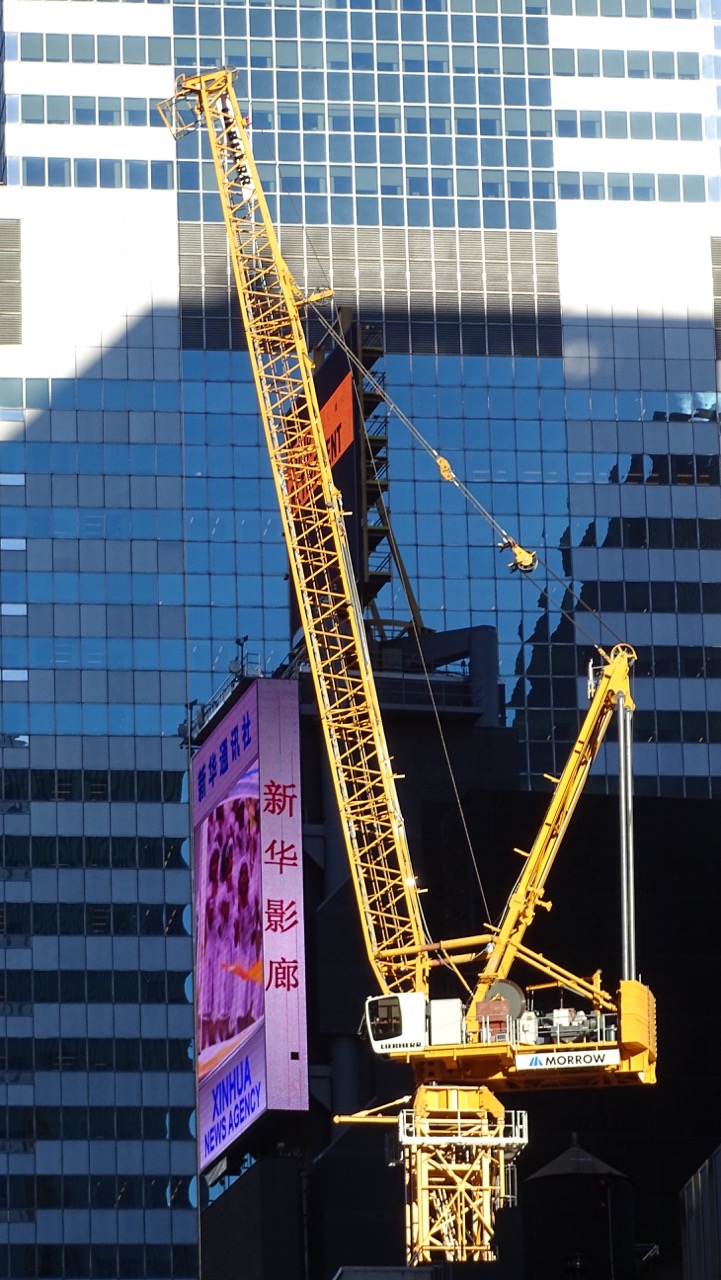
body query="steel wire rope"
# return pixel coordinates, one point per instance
(463, 489)
(339, 338)
(544, 592)
(302, 301)
(431, 695)
(403, 418)
(358, 364)
(335, 332)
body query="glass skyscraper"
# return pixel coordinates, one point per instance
(524, 194)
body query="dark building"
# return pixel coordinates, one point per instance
(701, 1214)
(348, 1182)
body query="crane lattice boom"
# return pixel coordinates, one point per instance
(314, 527)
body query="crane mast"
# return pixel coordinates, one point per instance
(458, 1140)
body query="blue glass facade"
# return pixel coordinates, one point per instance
(540, 247)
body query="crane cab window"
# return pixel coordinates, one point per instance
(384, 1018)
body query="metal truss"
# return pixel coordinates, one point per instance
(317, 543)
(458, 1148)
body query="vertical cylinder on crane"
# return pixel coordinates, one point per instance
(628, 899)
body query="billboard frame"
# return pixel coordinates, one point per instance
(249, 953)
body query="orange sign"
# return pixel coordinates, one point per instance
(336, 416)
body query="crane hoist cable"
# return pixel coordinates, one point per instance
(523, 561)
(415, 630)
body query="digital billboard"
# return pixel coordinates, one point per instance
(251, 1052)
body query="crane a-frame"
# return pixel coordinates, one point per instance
(458, 1139)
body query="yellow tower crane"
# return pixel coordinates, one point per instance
(458, 1140)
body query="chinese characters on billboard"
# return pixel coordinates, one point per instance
(250, 976)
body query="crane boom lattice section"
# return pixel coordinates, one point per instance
(320, 561)
(529, 891)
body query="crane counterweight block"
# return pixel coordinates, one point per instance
(637, 1027)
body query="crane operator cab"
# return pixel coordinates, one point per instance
(408, 1022)
(397, 1022)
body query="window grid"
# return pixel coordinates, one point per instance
(57, 171)
(635, 64)
(83, 110)
(664, 126)
(30, 46)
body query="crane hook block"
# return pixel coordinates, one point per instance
(523, 561)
